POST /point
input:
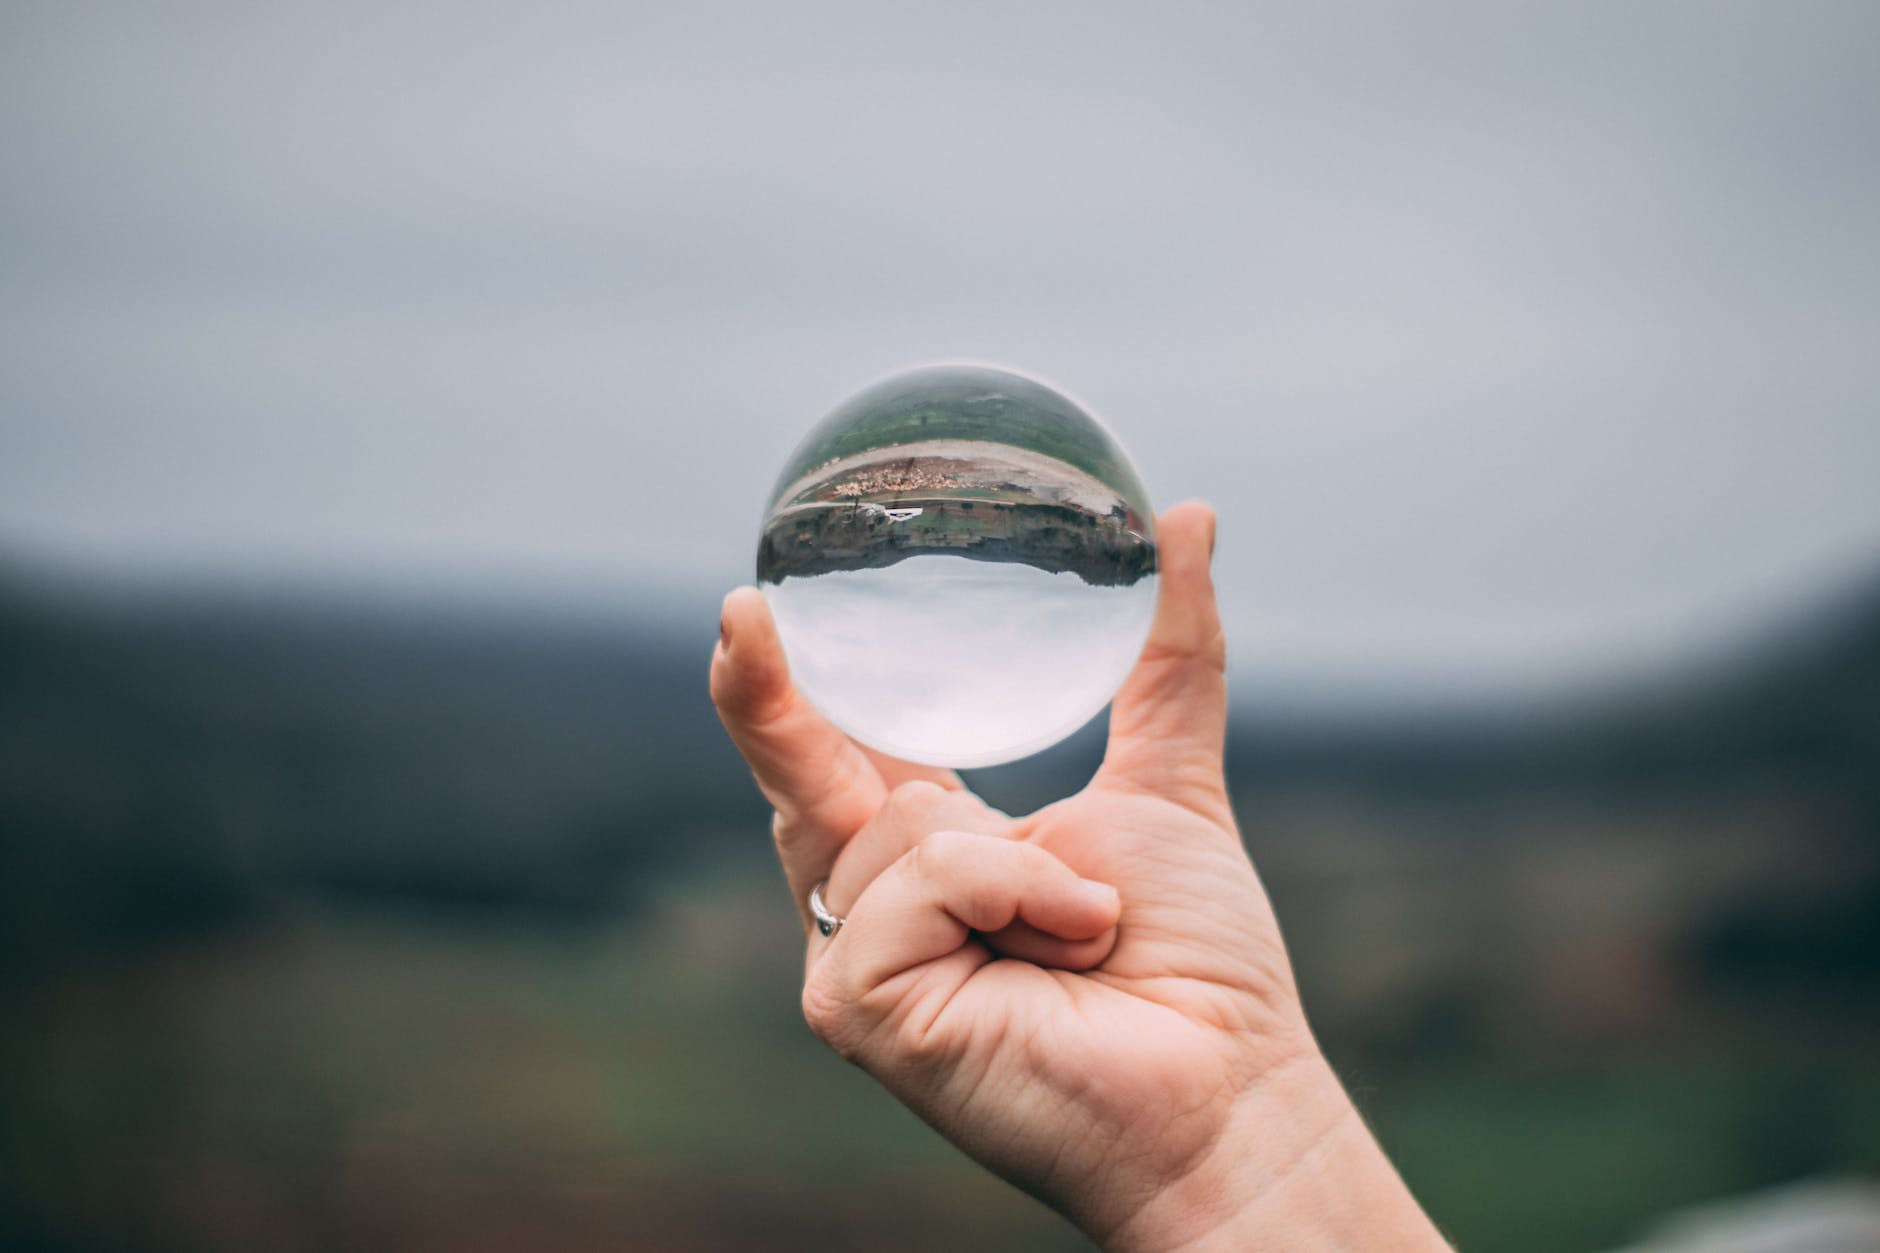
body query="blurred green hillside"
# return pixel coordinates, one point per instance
(399, 928)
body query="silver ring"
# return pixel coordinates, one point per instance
(826, 922)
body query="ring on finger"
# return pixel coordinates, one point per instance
(826, 922)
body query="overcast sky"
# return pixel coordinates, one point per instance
(1513, 344)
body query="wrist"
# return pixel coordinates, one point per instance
(1296, 1168)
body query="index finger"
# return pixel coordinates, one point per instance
(817, 778)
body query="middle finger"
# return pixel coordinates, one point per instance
(912, 812)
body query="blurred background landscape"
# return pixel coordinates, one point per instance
(387, 395)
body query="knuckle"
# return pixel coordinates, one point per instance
(826, 1012)
(1203, 650)
(1035, 860)
(937, 853)
(916, 1040)
(915, 810)
(1213, 648)
(763, 705)
(916, 796)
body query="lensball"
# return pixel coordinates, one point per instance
(961, 564)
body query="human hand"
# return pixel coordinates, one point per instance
(1092, 1000)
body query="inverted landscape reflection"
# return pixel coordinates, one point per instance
(961, 562)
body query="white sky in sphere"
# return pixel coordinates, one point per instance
(955, 662)
(1515, 347)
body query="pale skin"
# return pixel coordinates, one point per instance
(1092, 1000)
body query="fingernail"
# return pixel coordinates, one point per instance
(1214, 526)
(1098, 895)
(724, 632)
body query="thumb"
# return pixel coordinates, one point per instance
(1168, 724)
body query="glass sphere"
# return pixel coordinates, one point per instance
(961, 564)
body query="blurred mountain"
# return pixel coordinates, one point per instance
(171, 764)
(1803, 698)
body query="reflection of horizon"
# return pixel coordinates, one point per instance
(954, 464)
(808, 540)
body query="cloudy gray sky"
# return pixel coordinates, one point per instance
(1514, 343)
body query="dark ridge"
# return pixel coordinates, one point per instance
(167, 766)
(1102, 550)
(1804, 703)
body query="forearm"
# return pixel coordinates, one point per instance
(1295, 1169)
